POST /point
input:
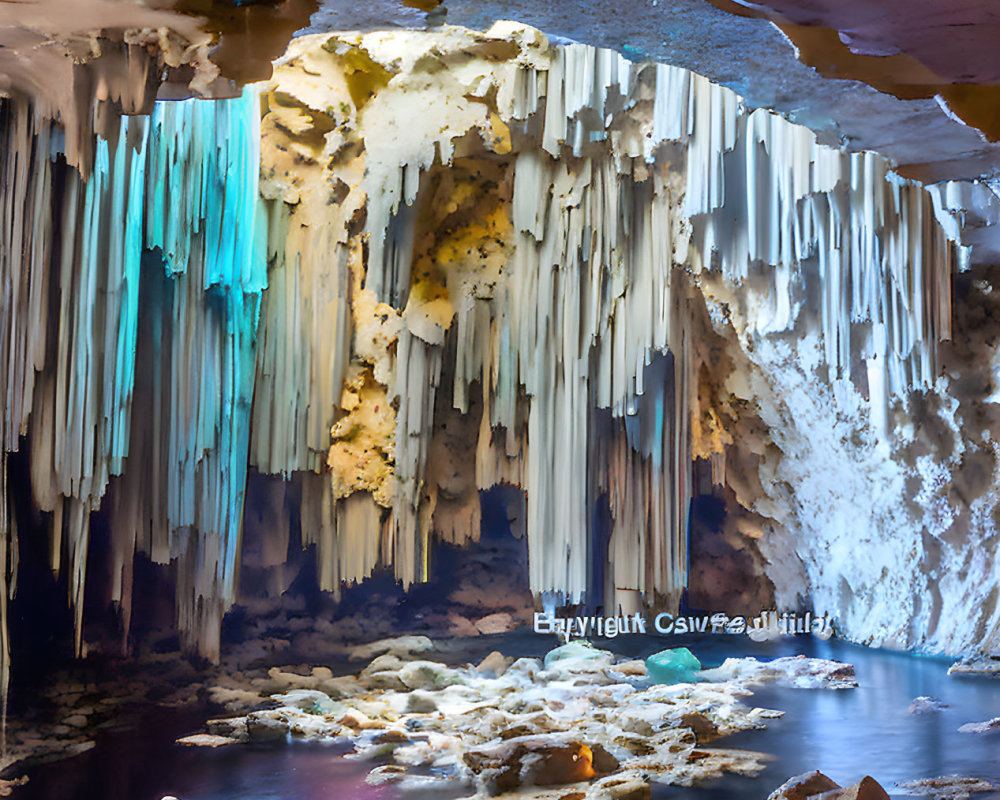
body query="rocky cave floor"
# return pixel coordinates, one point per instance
(416, 683)
(579, 723)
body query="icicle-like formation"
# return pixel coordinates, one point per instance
(348, 534)
(587, 302)
(304, 338)
(201, 221)
(301, 369)
(25, 196)
(25, 239)
(760, 193)
(883, 264)
(472, 228)
(8, 587)
(610, 176)
(169, 204)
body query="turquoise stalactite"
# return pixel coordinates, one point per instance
(204, 219)
(175, 193)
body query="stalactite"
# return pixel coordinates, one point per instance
(8, 588)
(416, 227)
(201, 223)
(614, 175)
(25, 183)
(181, 184)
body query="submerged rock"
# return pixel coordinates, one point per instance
(948, 787)
(981, 727)
(677, 665)
(926, 705)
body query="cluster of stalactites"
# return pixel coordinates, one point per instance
(621, 173)
(764, 199)
(134, 294)
(579, 309)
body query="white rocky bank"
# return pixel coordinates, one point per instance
(579, 724)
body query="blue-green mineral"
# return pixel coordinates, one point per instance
(677, 665)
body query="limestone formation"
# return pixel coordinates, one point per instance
(579, 723)
(413, 266)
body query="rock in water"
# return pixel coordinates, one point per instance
(798, 672)
(981, 727)
(634, 669)
(397, 646)
(495, 663)
(948, 787)
(866, 789)
(206, 740)
(427, 675)
(574, 651)
(261, 727)
(977, 665)
(500, 622)
(803, 786)
(677, 665)
(538, 761)
(310, 700)
(627, 789)
(926, 705)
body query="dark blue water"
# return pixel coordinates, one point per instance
(144, 763)
(846, 734)
(850, 733)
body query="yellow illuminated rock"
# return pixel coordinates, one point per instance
(361, 455)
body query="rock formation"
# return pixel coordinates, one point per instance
(412, 266)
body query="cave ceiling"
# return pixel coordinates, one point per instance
(915, 81)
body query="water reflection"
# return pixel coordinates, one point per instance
(869, 730)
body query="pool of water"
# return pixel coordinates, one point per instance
(848, 734)
(845, 734)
